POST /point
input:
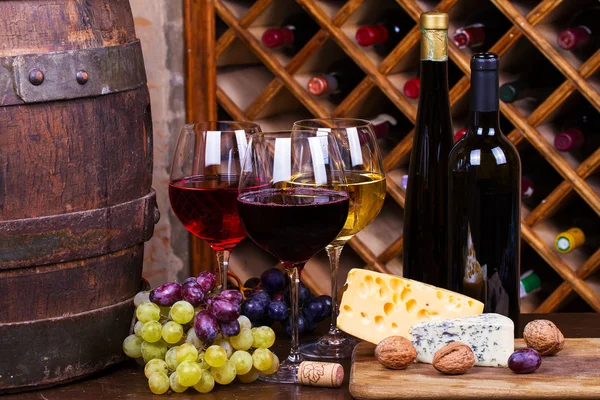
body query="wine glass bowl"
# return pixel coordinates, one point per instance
(203, 184)
(289, 220)
(365, 180)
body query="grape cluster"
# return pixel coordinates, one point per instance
(268, 301)
(188, 336)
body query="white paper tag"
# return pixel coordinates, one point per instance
(212, 155)
(318, 159)
(282, 168)
(354, 143)
(242, 145)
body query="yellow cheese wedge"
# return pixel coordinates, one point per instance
(376, 306)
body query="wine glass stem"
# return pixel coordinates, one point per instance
(294, 275)
(334, 252)
(223, 258)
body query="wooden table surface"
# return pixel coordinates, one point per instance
(127, 381)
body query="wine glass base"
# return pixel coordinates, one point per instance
(287, 373)
(329, 348)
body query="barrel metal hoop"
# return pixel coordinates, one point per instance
(74, 236)
(71, 74)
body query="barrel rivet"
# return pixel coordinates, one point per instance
(36, 77)
(82, 77)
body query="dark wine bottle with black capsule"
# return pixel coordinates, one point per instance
(484, 195)
(425, 208)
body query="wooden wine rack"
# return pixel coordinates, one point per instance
(281, 98)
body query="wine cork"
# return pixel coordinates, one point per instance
(314, 373)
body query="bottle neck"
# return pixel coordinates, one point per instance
(484, 103)
(434, 45)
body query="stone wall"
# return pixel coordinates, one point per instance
(159, 26)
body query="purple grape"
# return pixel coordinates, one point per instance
(524, 361)
(206, 280)
(192, 293)
(253, 309)
(314, 310)
(234, 296)
(273, 280)
(302, 325)
(190, 279)
(206, 326)
(230, 328)
(166, 294)
(262, 297)
(224, 310)
(328, 305)
(277, 311)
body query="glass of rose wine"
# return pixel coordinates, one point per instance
(365, 180)
(289, 221)
(203, 186)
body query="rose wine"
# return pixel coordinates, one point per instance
(425, 211)
(207, 207)
(484, 202)
(293, 224)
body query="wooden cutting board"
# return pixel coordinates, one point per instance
(572, 374)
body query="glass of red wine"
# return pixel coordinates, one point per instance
(293, 202)
(203, 186)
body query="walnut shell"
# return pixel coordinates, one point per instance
(542, 335)
(455, 358)
(395, 352)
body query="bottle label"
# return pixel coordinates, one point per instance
(569, 240)
(434, 44)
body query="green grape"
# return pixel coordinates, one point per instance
(274, 366)
(141, 297)
(242, 361)
(188, 373)
(215, 356)
(155, 365)
(147, 311)
(206, 382)
(244, 322)
(262, 359)
(243, 341)
(158, 383)
(150, 351)
(171, 358)
(202, 361)
(175, 386)
(187, 352)
(182, 312)
(225, 374)
(226, 346)
(132, 346)
(137, 328)
(192, 338)
(263, 336)
(250, 376)
(172, 332)
(151, 331)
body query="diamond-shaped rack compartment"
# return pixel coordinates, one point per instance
(527, 28)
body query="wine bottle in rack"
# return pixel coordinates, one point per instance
(292, 35)
(581, 232)
(425, 211)
(388, 30)
(579, 130)
(337, 83)
(484, 202)
(538, 180)
(530, 283)
(582, 35)
(383, 124)
(412, 87)
(480, 30)
(527, 86)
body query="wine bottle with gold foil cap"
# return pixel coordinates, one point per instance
(425, 211)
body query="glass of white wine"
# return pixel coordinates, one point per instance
(363, 169)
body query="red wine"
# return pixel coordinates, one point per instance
(207, 207)
(293, 225)
(425, 211)
(582, 34)
(484, 180)
(293, 34)
(389, 29)
(579, 130)
(481, 29)
(341, 78)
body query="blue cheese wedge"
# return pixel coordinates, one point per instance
(490, 336)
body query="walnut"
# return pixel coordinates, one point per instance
(395, 352)
(542, 335)
(455, 358)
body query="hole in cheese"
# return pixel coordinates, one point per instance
(410, 305)
(396, 298)
(383, 289)
(365, 319)
(348, 310)
(388, 308)
(470, 302)
(439, 294)
(406, 292)
(379, 322)
(396, 284)
(423, 314)
(394, 327)
(371, 287)
(363, 291)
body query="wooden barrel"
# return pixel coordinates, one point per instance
(76, 203)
